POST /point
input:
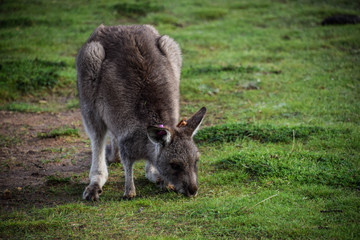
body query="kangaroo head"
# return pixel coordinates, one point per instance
(177, 154)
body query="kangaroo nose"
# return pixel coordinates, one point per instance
(192, 190)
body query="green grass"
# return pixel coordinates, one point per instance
(263, 133)
(7, 141)
(134, 9)
(302, 167)
(24, 107)
(54, 180)
(28, 77)
(280, 150)
(209, 13)
(61, 131)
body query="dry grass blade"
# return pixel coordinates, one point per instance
(293, 145)
(261, 202)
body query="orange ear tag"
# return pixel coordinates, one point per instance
(182, 123)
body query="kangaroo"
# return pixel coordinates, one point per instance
(128, 81)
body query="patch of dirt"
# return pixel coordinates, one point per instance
(33, 170)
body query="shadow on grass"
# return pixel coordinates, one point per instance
(47, 195)
(113, 191)
(63, 191)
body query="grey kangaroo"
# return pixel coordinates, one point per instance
(128, 82)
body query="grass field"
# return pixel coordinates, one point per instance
(280, 143)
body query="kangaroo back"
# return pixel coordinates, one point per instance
(133, 72)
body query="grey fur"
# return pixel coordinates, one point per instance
(128, 82)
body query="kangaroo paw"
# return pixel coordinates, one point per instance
(92, 192)
(129, 196)
(165, 185)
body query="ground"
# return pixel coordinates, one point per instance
(29, 163)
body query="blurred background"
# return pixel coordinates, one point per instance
(265, 60)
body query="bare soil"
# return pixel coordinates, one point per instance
(35, 171)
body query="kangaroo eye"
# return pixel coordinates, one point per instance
(175, 166)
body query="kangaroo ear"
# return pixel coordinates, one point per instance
(193, 124)
(159, 135)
